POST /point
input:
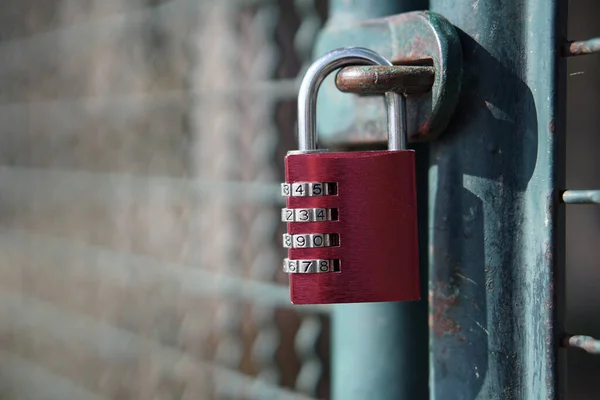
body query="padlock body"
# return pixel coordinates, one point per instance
(376, 211)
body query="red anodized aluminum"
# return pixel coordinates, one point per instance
(377, 227)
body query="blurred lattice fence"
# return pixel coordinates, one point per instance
(140, 153)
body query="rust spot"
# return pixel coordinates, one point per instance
(441, 323)
(425, 128)
(371, 79)
(548, 253)
(552, 126)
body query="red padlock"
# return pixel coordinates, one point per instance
(352, 216)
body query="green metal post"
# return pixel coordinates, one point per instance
(379, 351)
(495, 233)
(340, 11)
(344, 11)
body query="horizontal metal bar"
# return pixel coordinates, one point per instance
(128, 268)
(373, 79)
(46, 188)
(28, 380)
(586, 343)
(31, 318)
(581, 197)
(583, 47)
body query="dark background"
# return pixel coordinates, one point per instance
(583, 222)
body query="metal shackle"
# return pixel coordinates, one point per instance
(318, 71)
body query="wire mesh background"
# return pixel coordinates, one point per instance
(141, 153)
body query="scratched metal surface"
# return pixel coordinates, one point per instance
(495, 215)
(141, 146)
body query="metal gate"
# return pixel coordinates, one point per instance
(495, 225)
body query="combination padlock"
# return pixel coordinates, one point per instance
(352, 216)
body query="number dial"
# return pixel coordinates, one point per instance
(300, 189)
(309, 214)
(303, 214)
(310, 266)
(305, 189)
(310, 240)
(287, 215)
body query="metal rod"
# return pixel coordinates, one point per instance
(586, 343)
(581, 197)
(318, 71)
(372, 79)
(582, 47)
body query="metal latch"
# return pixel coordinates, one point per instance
(426, 51)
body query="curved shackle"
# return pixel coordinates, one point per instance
(318, 71)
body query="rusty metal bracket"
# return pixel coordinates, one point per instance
(419, 38)
(377, 79)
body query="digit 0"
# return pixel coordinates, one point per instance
(318, 240)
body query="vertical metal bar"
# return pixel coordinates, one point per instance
(342, 11)
(496, 225)
(379, 351)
